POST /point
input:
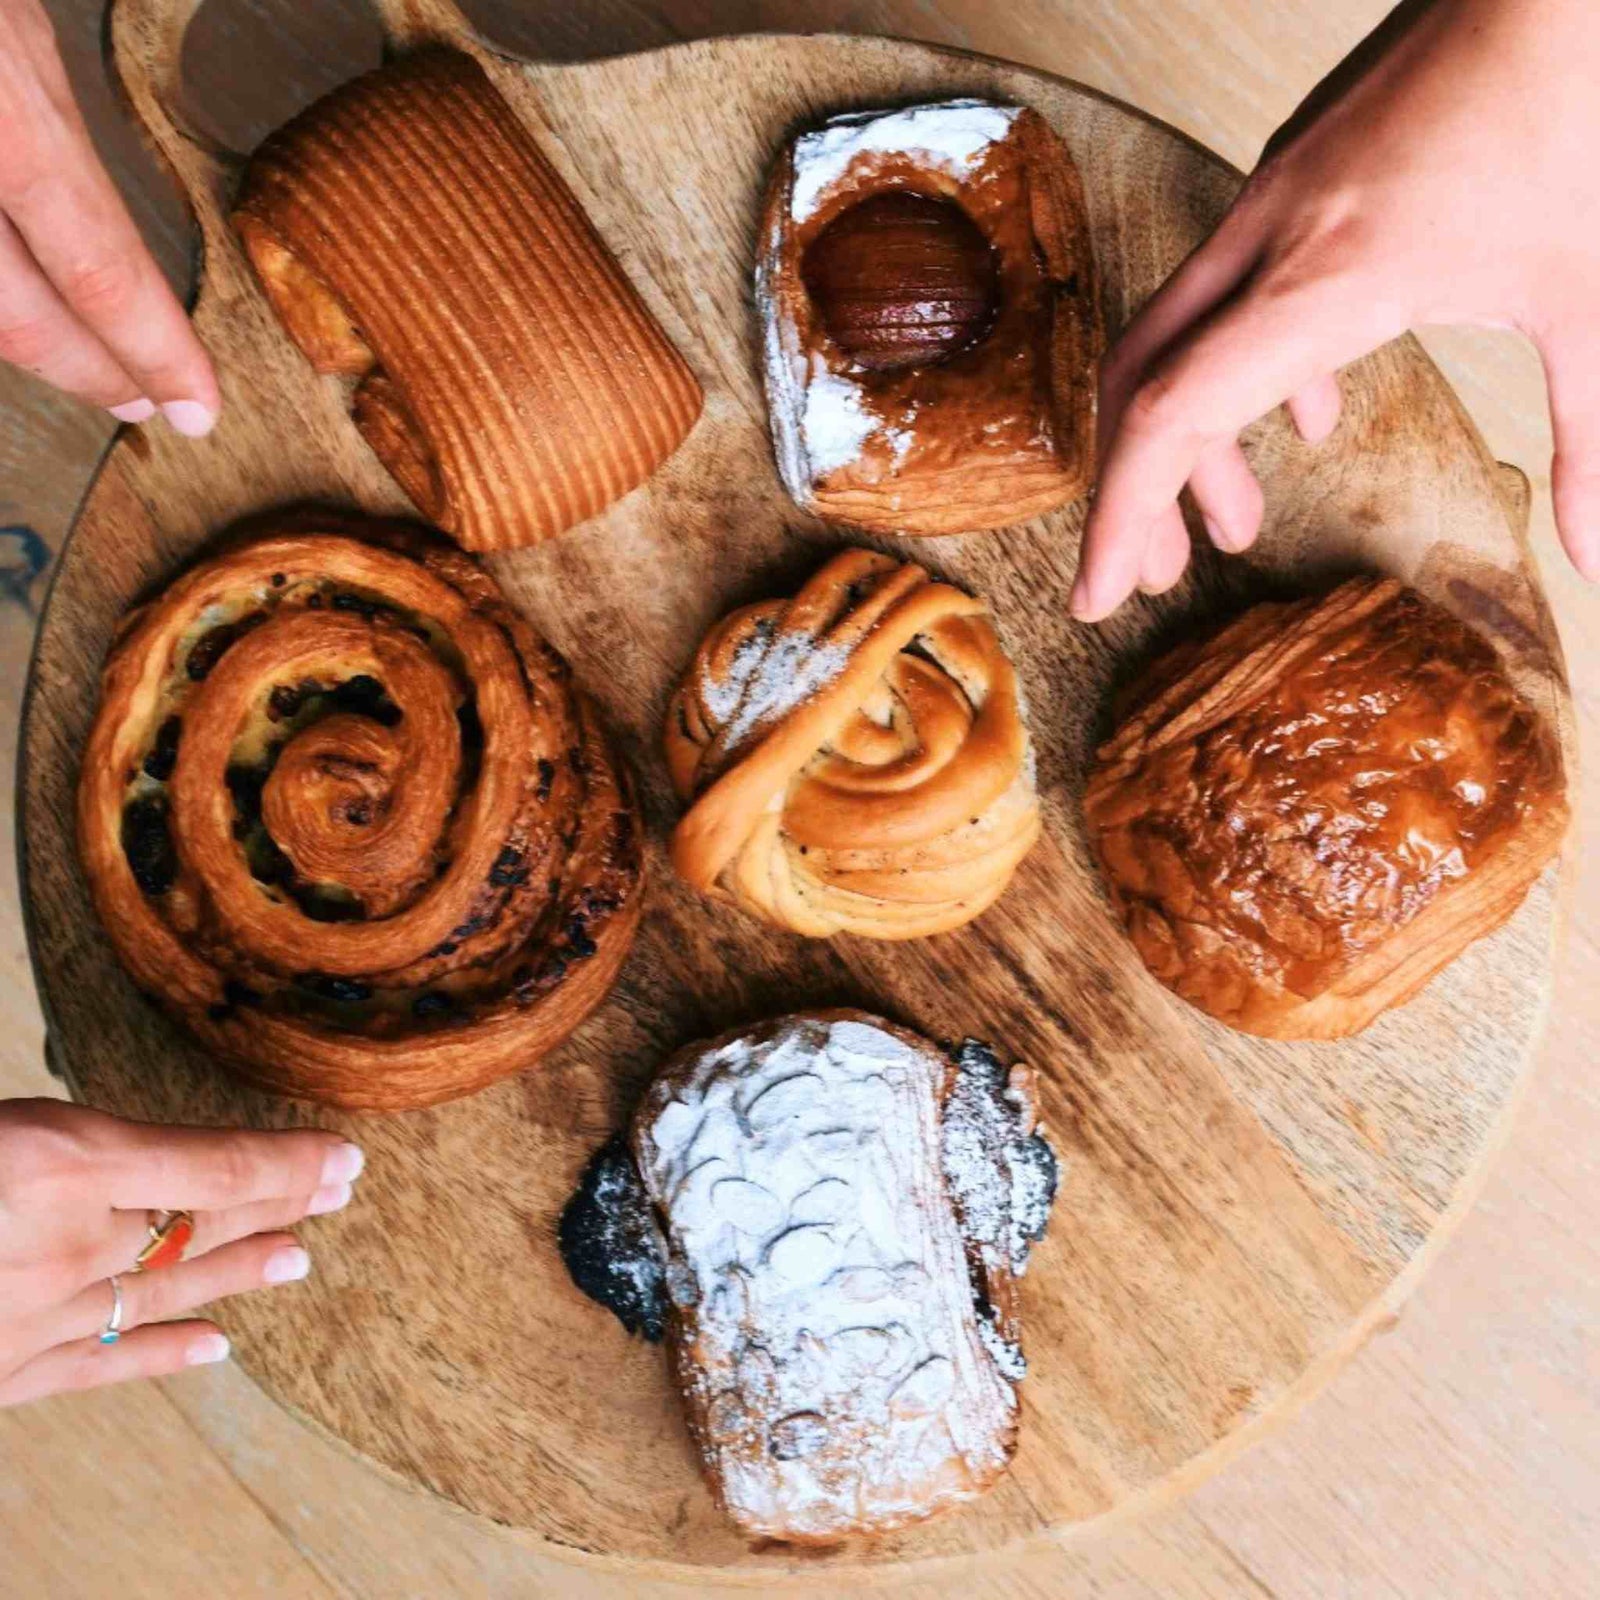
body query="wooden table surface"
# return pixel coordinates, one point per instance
(1459, 1456)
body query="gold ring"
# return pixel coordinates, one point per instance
(170, 1233)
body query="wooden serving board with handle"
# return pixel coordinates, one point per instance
(1235, 1215)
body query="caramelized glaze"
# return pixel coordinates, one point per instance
(1288, 803)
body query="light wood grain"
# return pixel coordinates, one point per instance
(1458, 1456)
(1236, 1215)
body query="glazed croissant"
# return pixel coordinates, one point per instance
(344, 815)
(855, 757)
(410, 234)
(1303, 819)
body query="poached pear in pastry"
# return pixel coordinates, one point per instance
(930, 322)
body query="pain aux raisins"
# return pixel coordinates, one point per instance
(210, 647)
(163, 756)
(147, 843)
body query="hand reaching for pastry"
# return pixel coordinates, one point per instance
(1443, 174)
(82, 303)
(77, 1189)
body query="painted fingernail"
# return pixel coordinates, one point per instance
(189, 417)
(343, 1164)
(134, 411)
(331, 1197)
(288, 1265)
(209, 1347)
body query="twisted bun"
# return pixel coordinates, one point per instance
(344, 815)
(855, 757)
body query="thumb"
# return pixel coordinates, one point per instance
(1572, 372)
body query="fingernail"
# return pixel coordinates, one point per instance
(288, 1265)
(189, 417)
(332, 1197)
(133, 411)
(1219, 536)
(343, 1164)
(209, 1347)
(1078, 601)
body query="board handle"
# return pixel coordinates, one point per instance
(144, 49)
(409, 24)
(144, 52)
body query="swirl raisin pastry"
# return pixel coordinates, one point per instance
(1302, 820)
(926, 286)
(855, 758)
(844, 1211)
(343, 813)
(411, 235)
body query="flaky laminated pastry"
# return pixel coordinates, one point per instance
(345, 816)
(855, 759)
(1303, 819)
(926, 287)
(412, 236)
(845, 1211)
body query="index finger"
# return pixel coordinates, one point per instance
(87, 245)
(1233, 368)
(201, 1169)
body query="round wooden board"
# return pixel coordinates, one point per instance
(1235, 1215)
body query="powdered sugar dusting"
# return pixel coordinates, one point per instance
(1002, 1176)
(835, 424)
(951, 135)
(842, 1375)
(766, 679)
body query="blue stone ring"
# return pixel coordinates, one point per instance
(113, 1328)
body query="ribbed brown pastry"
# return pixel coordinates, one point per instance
(856, 757)
(343, 813)
(1306, 817)
(926, 285)
(409, 233)
(846, 1211)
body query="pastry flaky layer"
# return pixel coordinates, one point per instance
(344, 815)
(410, 234)
(832, 1316)
(997, 424)
(856, 757)
(1305, 818)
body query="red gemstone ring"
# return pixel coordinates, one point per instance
(170, 1233)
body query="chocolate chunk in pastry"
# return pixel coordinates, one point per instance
(610, 1244)
(855, 758)
(1306, 817)
(411, 235)
(844, 1212)
(343, 813)
(926, 286)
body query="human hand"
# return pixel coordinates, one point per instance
(82, 303)
(1445, 174)
(76, 1190)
